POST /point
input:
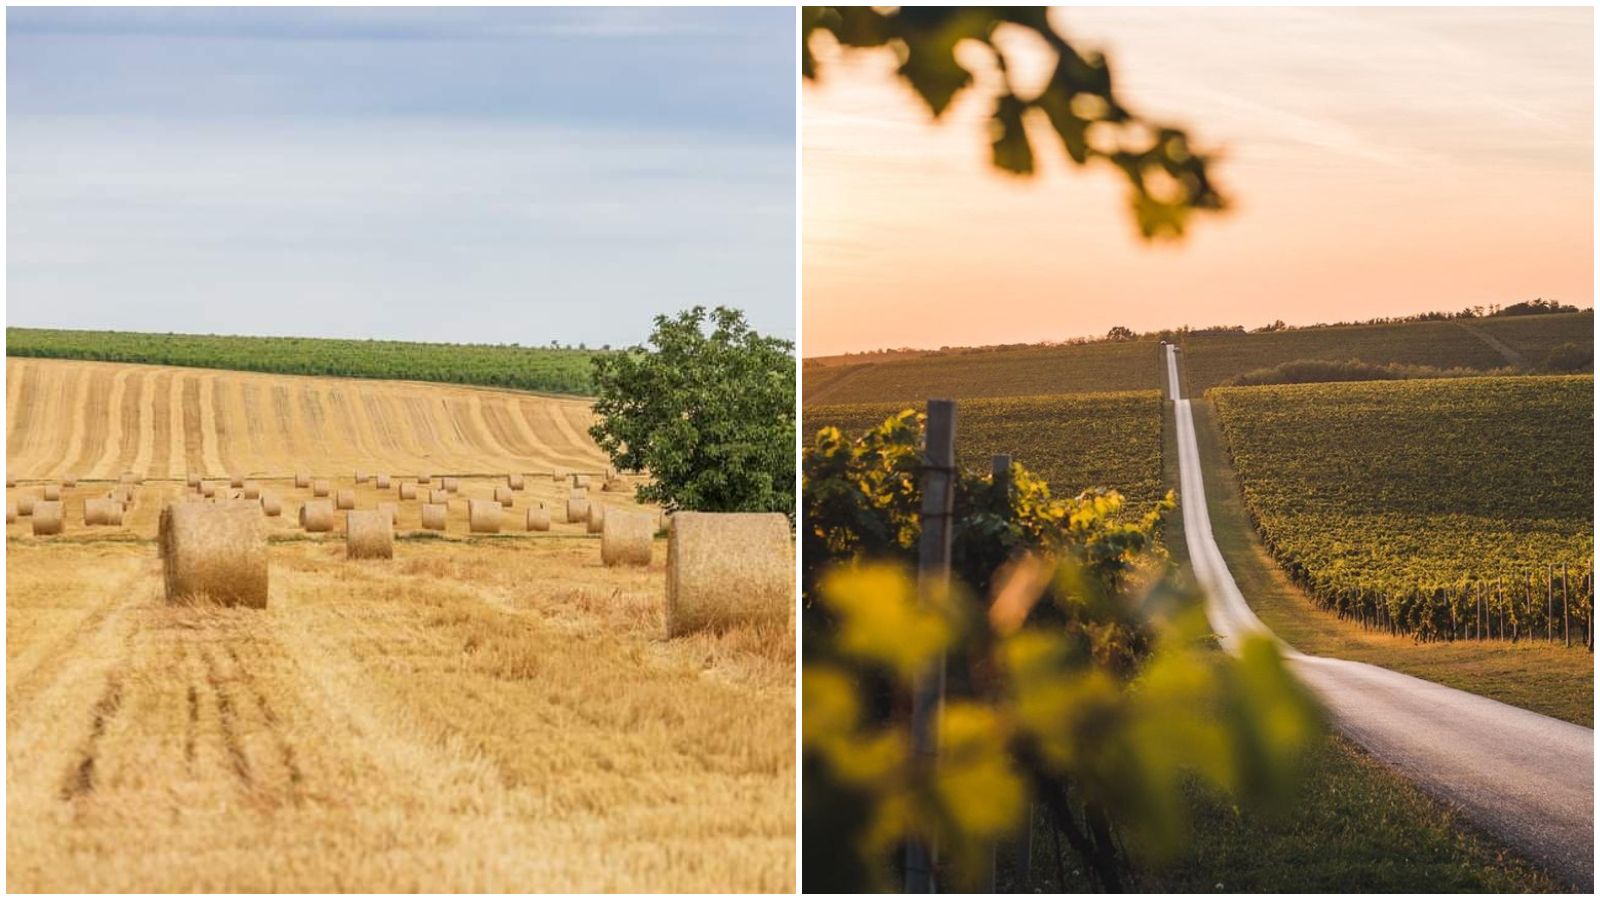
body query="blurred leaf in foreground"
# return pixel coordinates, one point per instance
(1088, 685)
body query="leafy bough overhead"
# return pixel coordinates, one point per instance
(1168, 178)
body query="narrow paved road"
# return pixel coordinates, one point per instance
(1525, 778)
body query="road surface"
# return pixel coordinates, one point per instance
(1525, 778)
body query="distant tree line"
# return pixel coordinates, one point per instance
(1119, 333)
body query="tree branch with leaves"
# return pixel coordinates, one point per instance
(1168, 178)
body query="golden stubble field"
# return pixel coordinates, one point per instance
(90, 419)
(481, 713)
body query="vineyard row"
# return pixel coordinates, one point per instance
(1554, 606)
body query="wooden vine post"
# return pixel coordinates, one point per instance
(1566, 609)
(1478, 613)
(1587, 585)
(933, 581)
(1549, 603)
(1527, 601)
(1500, 589)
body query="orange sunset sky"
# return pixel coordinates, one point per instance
(1380, 162)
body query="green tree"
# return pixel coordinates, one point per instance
(709, 415)
(1168, 178)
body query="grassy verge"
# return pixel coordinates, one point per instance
(1552, 680)
(1355, 827)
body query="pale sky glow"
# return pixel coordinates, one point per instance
(474, 175)
(1380, 161)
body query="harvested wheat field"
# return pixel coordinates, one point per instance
(479, 713)
(98, 420)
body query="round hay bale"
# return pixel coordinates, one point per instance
(515, 481)
(725, 569)
(450, 483)
(381, 482)
(48, 517)
(504, 496)
(390, 509)
(192, 481)
(407, 491)
(69, 481)
(270, 504)
(302, 479)
(321, 487)
(317, 515)
(577, 509)
(580, 481)
(51, 492)
(11, 511)
(538, 518)
(424, 480)
(10, 482)
(368, 534)
(208, 490)
(345, 498)
(217, 552)
(252, 490)
(236, 481)
(597, 518)
(483, 517)
(557, 477)
(438, 495)
(25, 504)
(102, 512)
(433, 516)
(362, 476)
(626, 538)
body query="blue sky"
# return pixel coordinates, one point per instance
(455, 174)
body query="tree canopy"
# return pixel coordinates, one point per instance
(709, 414)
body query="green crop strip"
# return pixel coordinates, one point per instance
(551, 370)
